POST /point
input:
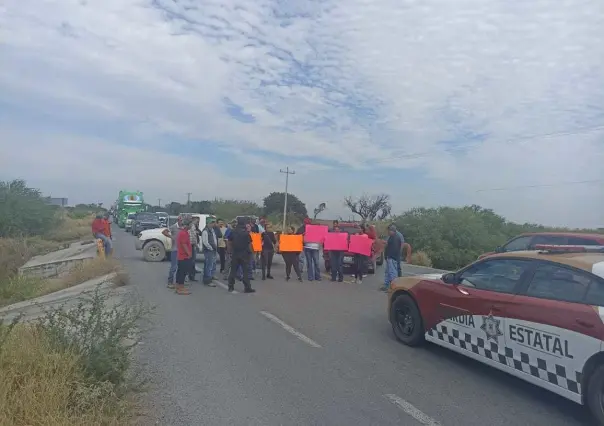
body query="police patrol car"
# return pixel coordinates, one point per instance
(538, 315)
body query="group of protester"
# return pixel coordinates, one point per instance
(231, 246)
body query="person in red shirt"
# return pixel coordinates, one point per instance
(107, 227)
(99, 230)
(185, 252)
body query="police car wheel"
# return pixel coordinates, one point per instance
(595, 394)
(406, 321)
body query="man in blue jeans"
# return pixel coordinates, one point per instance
(172, 233)
(311, 252)
(99, 230)
(209, 247)
(392, 256)
(335, 260)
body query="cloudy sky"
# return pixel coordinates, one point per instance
(435, 102)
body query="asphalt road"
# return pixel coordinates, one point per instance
(312, 353)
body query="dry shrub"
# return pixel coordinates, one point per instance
(89, 270)
(71, 230)
(421, 258)
(17, 288)
(44, 385)
(15, 252)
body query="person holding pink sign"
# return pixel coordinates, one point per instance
(362, 251)
(337, 245)
(312, 248)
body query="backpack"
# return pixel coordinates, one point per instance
(241, 241)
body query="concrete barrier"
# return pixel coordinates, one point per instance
(60, 262)
(34, 308)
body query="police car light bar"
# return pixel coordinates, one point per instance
(559, 248)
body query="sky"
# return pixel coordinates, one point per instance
(436, 102)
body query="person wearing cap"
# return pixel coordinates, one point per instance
(172, 233)
(99, 230)
(240, 243)
(209, 248)
(392, 256)
(184, 252)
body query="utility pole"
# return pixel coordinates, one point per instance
(287, 172)
(159, 202)
(188, 199)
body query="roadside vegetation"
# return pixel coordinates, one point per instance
(441, 237)
(72, 366)
(29, 226)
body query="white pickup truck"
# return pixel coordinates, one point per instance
(156, 247)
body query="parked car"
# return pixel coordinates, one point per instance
(537, 315)
(163, 218)
(529, 240)
(143, 221)
(348, 260)
(156, 247)
(129, 220)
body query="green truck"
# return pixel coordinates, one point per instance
(129, 202)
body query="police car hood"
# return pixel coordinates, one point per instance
(409, 282)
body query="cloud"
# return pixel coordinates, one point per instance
(429, 101)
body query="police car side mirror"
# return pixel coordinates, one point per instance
(499, 249)
(449, 278)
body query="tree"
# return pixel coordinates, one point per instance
(229, 209)
(175, 208)
(374, 207)
(274, 203)
(201, 207)
(319, 209)
(24, 211)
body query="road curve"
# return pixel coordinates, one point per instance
(316, 353)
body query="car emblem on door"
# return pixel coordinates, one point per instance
(490, 326)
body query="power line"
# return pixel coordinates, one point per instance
(578, 182)
(287, 173)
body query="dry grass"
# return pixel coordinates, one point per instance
(19, 288)
(42, 385)
(421, 258)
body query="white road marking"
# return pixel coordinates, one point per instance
(223, 285)
(290, 329)
(414, 412)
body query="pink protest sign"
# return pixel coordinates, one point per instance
(360, 244)
(337, 241)
(315, 233)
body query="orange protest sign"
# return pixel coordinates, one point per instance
(291, 243)
(256, 241)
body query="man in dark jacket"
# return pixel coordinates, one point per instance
(240, 244)
(392, 256)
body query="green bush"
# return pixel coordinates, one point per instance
(453, 237)
(24, 211)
